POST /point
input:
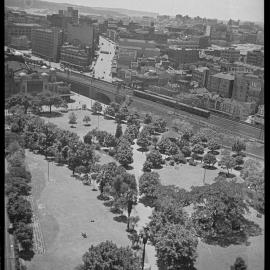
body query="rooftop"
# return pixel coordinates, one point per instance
(27, 24)
(224, 75)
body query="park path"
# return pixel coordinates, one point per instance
(140, 210)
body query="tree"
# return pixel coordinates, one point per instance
(198, 149)
(196, 139)
(88, 138)
(250, 166)
(155, 158)
(115, 106)
(160, 125)
(118, 132)
(228, 162)
(147, 166)
(144, 140)
(219, 210)
(148, 184)
(147, 119)
(109, 110)
(213, 145)
(238, 146)
(176, 247)
(48, 98)
(209, 159)
(72, 118)
(96, 108)
(186, 151)
(239, 264)
(23, 99)
(133, 119)
(86, 119)
(131, 133)
(121, 114)
(124, 155)
(109, 140)
(24, 233)
(155, 141)
(167, 147)
(182, 126)
(107, 255)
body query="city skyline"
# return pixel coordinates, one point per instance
(244, 10)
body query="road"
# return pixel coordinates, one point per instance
(103, 66)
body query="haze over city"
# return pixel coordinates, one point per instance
(250, 10)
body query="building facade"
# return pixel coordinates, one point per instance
(200, 75)
(74, 57)
(20, 42)
(255, 58)
(46, 43)
(231, 55)
(222, 84)
(21, 29)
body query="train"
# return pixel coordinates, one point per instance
(170, 102)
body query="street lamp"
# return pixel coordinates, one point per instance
(144, 235)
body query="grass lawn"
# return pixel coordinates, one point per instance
(65, 208)
(81, 129)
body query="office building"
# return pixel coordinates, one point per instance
(231, 55)
(46, 43)
(222, 84)
(21, 29)
(255, 58)
(20, 42)
(179, 56)
(200, 75)
(248, 88)
(74, 57)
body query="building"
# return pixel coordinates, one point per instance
(46, 43)
(64, 17)
(81, 34)
(126, 56)
(249, 38)
(21, 29)
(20, 42)
(259, 116)
(247, 88)
(255, 58)
(146, 48)
(200, 75)
(112, 34)
(74, 57)
(222, 84)
(183, 56)
(230, 55)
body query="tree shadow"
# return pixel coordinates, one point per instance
(72, 126)
(103, 197)
(240, 237)
(157, 167)
(26, 255)
(146, 201)
(238, 168)
(121, 219)
(59, 164)
(87, 125)
(116, 211)
(128, 167)
(213, 152)
(224, 174)
(50, 115)
(108, 203)
(211, 168)
(141, 149)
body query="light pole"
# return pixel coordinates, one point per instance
(144, 235)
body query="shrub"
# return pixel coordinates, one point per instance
(147, 166)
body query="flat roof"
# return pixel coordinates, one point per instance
(27, 24)
(224, 75)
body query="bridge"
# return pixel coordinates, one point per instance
(93, 88)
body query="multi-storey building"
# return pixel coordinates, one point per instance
(21, 29)
(259, 116)
(230, 54)
(247, 88)
(255, 58)
(20, 42)
(74, 57)
(200, 75)
(179, 56)
(46, 43)
(221, 83)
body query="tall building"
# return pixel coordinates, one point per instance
(74, 57)
(248, 88)
(63, 17)
(20, 42)
(255, 58)
(46, 43)
(200, 75)
(81, 34)
(231, 54)
(183, 56)
(221, 83)
(21, 29)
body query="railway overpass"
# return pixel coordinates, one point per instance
(94, 88)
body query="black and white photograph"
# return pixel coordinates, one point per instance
(134, 135)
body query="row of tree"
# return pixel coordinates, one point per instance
(17, 188)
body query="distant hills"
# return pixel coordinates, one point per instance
(50, 7)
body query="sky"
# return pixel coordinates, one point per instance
(245, 10)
